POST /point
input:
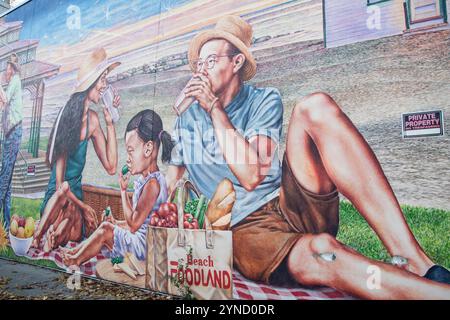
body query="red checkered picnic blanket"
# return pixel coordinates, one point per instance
(243, 288)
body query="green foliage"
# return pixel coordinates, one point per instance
(183, 288)
(116, 260)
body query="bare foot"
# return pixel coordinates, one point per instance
(50, 239)
(36, 242)
(69, 260)
(71, 251)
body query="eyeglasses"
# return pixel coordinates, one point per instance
(209, 62)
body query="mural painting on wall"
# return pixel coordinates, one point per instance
(189, 147)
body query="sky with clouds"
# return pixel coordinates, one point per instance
(50, 26)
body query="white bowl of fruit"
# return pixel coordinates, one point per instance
(21, 233)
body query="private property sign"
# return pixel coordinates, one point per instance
(423, 124)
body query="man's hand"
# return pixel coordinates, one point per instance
(199, 87)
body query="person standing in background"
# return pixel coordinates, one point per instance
(12, 107)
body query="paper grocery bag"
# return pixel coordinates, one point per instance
(190, 263)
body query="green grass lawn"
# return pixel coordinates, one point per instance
(26, 208)
(430, 226)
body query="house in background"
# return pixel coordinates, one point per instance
(349, 21)
(4, 6)
(33, 74)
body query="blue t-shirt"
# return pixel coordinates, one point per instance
(254, 111)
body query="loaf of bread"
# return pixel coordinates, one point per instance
(220, 206)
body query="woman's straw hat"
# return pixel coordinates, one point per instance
(92, 68)
(236, 31)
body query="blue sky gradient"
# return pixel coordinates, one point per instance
(46, 20)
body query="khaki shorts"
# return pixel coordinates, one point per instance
(263, 240)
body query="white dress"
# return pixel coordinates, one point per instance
(136, 243)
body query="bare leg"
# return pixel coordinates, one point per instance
(352, 273)
(51, 213)
(71, 229)
(49, 239)
(68, 227)
(73, 251)
(104, 235)
(75, 234)
(326, 151)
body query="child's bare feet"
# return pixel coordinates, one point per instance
(71, 251)
(69, 260)
(36, 243)
(50, 239)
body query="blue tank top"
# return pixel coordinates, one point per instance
(74, 169)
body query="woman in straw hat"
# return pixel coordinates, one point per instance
(64, 216)
(11, 103)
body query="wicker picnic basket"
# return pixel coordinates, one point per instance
(99, 198)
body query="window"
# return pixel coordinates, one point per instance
(2, 65)
(370, 2)
(31, 55)
(424, 10)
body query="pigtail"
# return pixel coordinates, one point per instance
(167, 144)
(149, 127)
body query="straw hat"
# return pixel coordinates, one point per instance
(14, 62)
(92, 68)
(236, 31)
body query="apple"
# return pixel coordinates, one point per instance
(29, 231)
(14, 227)
(30, 223)
(21, 233)
(15, 216)
(22, 222)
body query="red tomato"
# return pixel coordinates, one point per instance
(173, 207)
(172, 219)
(164, 210)
(154, 219)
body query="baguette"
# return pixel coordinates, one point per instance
(222, 223)
(221, 204)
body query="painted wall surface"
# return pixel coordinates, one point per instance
(372, 75)
(353, 21)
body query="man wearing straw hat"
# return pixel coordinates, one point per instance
(11, 104)
(285, 218)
